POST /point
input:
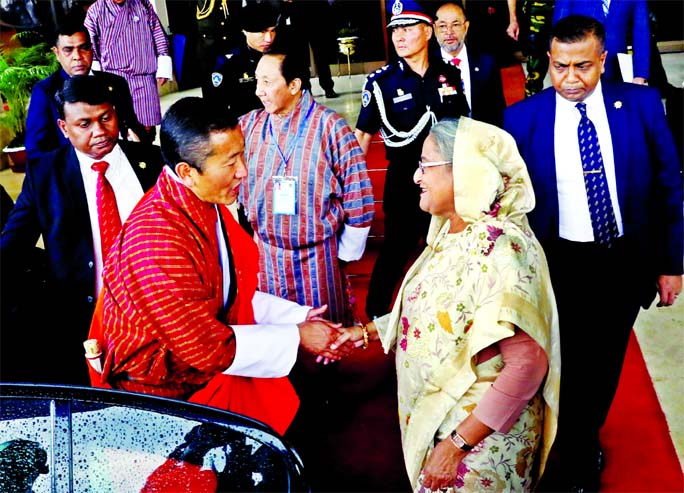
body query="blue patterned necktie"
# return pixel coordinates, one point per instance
(600, 205)
(605, 4)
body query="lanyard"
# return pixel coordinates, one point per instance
(290, 151)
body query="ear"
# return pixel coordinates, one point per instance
(295, 86)
(55, 50)
(428, 32)
(186, 173)
(466, 25)
(63, 127)
(603, 60)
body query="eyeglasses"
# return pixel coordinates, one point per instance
(422, 165)
(445, 28)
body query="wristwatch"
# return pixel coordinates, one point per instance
(459, 442)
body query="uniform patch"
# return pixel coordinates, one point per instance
(365, 97)
(216, 78)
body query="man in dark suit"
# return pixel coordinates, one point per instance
(75, 54)
(59, 200)
(603, 266)
(479, 71)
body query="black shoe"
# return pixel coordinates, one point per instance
(330, 93)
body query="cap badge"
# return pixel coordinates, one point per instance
(397, 7)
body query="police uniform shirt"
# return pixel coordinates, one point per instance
(232, 82)
(405, 98)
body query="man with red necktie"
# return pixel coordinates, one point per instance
(480, 74)
(59, 200)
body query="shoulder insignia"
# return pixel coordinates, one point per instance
(365, 97)
(374, 75)
(216, 79)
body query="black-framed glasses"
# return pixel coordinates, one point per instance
(430, 164)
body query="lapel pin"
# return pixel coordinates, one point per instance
(477, 69)
(618, 105)
(400, 92)
(142, 164)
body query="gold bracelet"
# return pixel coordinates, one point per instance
(364, 329)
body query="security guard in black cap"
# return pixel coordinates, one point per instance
(403, 100)
(232, 83)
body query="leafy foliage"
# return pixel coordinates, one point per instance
(20, 69)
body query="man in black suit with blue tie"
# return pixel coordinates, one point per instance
(606, 176)
(59, 202)
(479, 71)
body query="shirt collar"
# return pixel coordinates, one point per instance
(594, 100)
(114, 158)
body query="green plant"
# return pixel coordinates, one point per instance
(20, 69)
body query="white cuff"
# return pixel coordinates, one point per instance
(352, 243)
(269, 309)
(264, 351)
(96, 66)
(164, 67)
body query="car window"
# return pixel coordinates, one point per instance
(62, 445)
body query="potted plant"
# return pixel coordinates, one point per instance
(20, 68)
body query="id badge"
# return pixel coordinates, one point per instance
(284, 195)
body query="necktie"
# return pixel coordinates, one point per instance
(456, 61)
(600, 205)
(107, 211)
(605, 4)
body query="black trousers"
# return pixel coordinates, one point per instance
(406, 226)
(598, 301)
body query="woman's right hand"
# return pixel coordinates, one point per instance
(349, 334)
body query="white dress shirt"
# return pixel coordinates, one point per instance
(464, 66)
(127, 190)
(575, 220)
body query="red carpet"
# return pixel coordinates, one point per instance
(640, 456)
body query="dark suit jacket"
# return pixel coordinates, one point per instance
(649, 184)
(42, 133)
(486, 89)
(53, 204)
(627, 20)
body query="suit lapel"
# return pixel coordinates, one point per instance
(73, 181)
(140, 165)
(544, 140)
(617, 121)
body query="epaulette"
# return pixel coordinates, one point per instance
(378, 73)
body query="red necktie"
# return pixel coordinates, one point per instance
(107, 211)
(456, 61)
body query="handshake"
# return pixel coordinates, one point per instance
(330, 341)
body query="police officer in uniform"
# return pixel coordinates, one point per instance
(403, 100)
(232, 83)
(218, 31)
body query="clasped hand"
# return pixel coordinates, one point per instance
(318, 336)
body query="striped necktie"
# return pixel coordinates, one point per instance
(107, 211)
(600, 205)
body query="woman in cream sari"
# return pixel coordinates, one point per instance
(474, 326)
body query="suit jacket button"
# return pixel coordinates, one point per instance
(90, 264)
(90, 299)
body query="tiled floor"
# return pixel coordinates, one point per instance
(660, 331)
